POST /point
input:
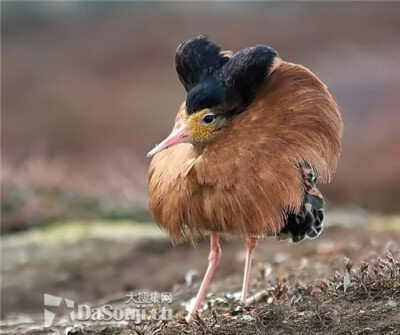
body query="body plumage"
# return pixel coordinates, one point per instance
(248, 183)
(252, 139)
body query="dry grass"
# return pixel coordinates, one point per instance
(364, 299)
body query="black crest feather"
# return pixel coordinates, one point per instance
(196, 59)
(206, 94)
(246, 71)
(212, 78)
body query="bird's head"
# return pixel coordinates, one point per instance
(219, 85)
(200, 117)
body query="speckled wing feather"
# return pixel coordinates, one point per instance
(308, 221)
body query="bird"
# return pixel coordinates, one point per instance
(250, 143)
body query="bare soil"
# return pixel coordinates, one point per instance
(346, 282)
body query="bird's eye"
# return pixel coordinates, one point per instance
(208, 119)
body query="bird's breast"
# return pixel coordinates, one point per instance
(192, 194)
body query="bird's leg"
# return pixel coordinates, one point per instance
(213, 260)
(249, 253)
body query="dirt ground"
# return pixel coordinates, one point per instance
(345, 282)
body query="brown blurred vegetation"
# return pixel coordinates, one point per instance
(89, 87)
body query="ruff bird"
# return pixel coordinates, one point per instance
(252, 139)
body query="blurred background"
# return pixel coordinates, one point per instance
(89, 87)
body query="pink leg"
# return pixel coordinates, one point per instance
(213, 260)
(250, 248)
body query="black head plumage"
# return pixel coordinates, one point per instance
(247, 71)
(206, 94)
(197, 59)
(211, 78)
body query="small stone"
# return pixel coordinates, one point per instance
(247, 318)
(280, 257)
(190, 277)
(391, 304)
(257, 297)
(346, 280)
(369, 330)
(267, 271)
